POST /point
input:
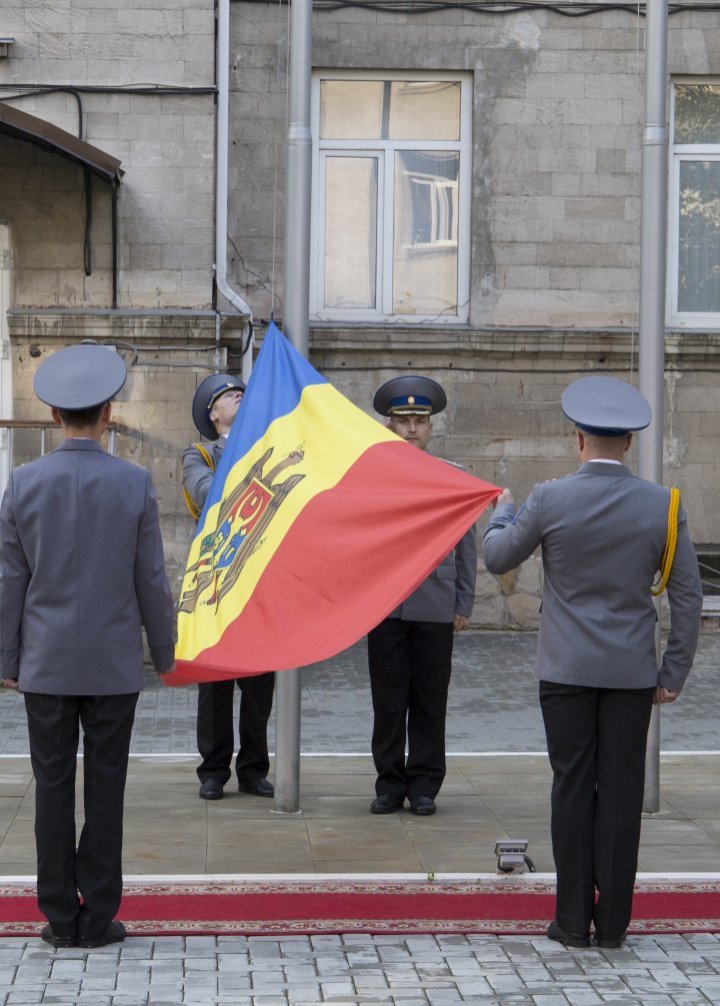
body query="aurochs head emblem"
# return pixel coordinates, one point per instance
(244, 516)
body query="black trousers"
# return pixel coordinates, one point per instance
(93, 867)
(216, 730)
(596, 742)
(410, 665)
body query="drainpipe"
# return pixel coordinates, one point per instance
(221, 177)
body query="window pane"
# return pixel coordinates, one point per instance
(384, 109)
(425, 110)
(351, 109)
(697, 113)
(425, 233)
(699, 236)
(350, 231)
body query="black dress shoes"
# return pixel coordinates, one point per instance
(211, 789)
(424, 806)
(609, 942)
(568, 939)
(49, 936)
(385, 803)
(258, 787)
(115, 933)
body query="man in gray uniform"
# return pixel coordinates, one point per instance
(410, 651)
(603, 532)
(81, 570)
(214, 408)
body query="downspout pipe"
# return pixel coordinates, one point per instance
(222, 120)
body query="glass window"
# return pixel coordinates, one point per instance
(694, 286)
(425, 232)
(350, 232)
(697, 113)
(391, 197)
(699, 236)
(351, 109)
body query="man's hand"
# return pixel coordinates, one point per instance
(505, 497)
(662, 695)
(12, 684)
(170, 670)
(460, 623)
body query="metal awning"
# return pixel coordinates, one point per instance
(93, 161)
(29, 128)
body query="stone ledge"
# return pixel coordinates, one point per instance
(510, 344)
(171, 326)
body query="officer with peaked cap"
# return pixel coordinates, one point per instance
(214, 408)
(81, 571)
(603, 533)
(410, 651)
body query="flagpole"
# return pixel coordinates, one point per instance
(296, 292)
(653, 253)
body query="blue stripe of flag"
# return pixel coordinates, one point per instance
(278, 379)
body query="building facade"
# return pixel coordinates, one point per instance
(476, 207)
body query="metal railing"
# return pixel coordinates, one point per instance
(711, 587)
(8, 429)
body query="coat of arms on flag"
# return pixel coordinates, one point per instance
(319, 521)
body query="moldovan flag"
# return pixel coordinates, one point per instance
(318, 523)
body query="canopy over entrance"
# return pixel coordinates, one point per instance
(22, 126)
(30, 129)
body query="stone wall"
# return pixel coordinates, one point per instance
(504, 424)
(110, 52)
(557, 118)
(557, 123)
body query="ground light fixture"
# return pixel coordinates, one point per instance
(512, 856)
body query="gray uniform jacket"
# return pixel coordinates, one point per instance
(81, 568)
(196, 474)
(603, 533)
(449, 590)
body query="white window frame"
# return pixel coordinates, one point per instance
(384, 151)
(679, 153)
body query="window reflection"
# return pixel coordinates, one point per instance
(697, 113)
(426, 232)
(699, 237)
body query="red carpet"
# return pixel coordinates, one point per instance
(508, 906)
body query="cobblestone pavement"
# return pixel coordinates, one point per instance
(492, 704)
(358, 970)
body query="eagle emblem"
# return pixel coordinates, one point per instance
(242, 521)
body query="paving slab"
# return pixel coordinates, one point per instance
(168, 830)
